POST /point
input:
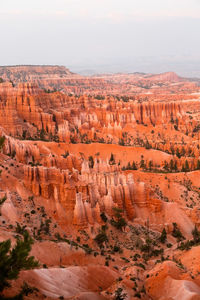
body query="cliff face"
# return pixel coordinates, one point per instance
(84, 196)
(29, 112)
(100, 166)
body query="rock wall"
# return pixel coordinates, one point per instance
(84, 196)
(28, 112)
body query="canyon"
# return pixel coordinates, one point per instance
(103, 172)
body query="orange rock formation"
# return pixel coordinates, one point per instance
(76, 150)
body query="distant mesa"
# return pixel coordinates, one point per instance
(167, 76)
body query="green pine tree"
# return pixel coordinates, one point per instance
(129, 166)
(134, 167)
(119, 222)
(142, 164)
(112, 159)
(182, 151)
(178, 153)
(119, 295)
(171, 165)
(196, 234)
(91, 161)
(163, 236)
(13, 260)
(2, 140)
(175, 166)
(198, 164)
(150, 165)
(166, 165)
(187, 168)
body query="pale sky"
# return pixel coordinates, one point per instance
(103, 35)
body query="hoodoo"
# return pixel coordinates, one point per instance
(102, 173)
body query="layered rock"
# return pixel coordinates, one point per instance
(28, 112)
(68, 160)
(60, 78)
(97, 190)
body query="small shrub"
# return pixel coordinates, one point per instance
(177, 233)
(103, 217)
(163, 236)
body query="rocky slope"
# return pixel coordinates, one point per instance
(96, 178)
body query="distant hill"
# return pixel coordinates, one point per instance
(24, 73)
(167, 76)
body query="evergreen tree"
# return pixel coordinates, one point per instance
(147, 145)
(189, 152)
(42, 134)
(196, 234)
(2, 140)
(182, 151)
(166, 165)
(119, 222)
(121, 142)
(163, 236)
(142, 163)
(12, 261)
(134, 167)
(103, 216)
(119, 295)
(150, 165)
(2, 200)
(171, 165)
(177, 233)
(101, 238)
(187, 168)
(198, 164)
(129, 166)
(66, 154)
(112, 159)
(91, 162)
(172, 150)
(175, 166)
(178, 153)
(183, 168)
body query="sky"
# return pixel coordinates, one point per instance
(102, 35)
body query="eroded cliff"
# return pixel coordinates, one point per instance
(101, 168)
